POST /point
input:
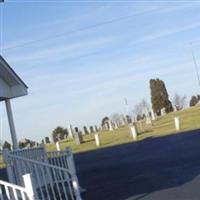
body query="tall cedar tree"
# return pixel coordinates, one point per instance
(194, 100)
(159, 96)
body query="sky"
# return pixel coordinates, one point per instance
(80, 59)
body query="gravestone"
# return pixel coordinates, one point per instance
(133, 130)
(96, 128)
(106, 126)
(85, 130)
(115, 125)
(58, 148)
(78, 137)
(128, 119)
(97, 139)
(153, 116)
(91, 129)
(177, 123)
(70, 131)
(47, 140)
(148, 119)
(110, 125)
(163, 112)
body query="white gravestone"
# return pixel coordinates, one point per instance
(163, 112)
(133, 132)
(58, 146)
(177, 123)
(148, 119)
(97, 139)
(70, 131)
(110, 126)
(153, 116)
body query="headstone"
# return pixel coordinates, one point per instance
(123, 122)
(153, 116)
(128, 119)
(105, 126)
(88, 130)
(115, 125)
(58, 146)
(110, 125)
(133, 132)
(78, 137)
(163, 112)
(85, 130)
(70, 131)
(148, 119)
(97, 139)
(91, 129)
(96, 128)
(47, 140)
(177, 123)
(76, 129)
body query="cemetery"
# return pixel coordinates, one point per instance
(107, 116)
(48, 171)
(44, 171)
(161, 127)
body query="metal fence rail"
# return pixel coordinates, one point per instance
(11, 191)
(53, 178)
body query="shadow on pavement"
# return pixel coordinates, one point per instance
(140, 168)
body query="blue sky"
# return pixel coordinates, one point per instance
(81, 58)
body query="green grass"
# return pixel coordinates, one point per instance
(190, 120)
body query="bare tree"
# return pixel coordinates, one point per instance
(115, 117)
(140, 107)
(179, 101)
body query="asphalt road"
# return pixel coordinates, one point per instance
(164, 168)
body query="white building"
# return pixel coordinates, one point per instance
(11, 86)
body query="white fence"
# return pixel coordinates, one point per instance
(53, 174)
(10, 191)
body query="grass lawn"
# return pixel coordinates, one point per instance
(190, 120)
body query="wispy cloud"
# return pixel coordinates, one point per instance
(168, 32)
(61, 51)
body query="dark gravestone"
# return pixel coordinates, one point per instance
(76, 129)
(96, 128)
(91, 129)
(85, 130)
(47, 140)
(78, 137)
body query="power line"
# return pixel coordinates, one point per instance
(79, 30)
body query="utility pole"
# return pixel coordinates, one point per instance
(195, 64)
(1, 120)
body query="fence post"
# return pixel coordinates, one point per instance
(97, 139)
(29, 186)
(177, 123)
(72, 169)
(8, 163)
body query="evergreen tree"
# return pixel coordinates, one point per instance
(159, 96)
(194, 100)
(7, 145)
